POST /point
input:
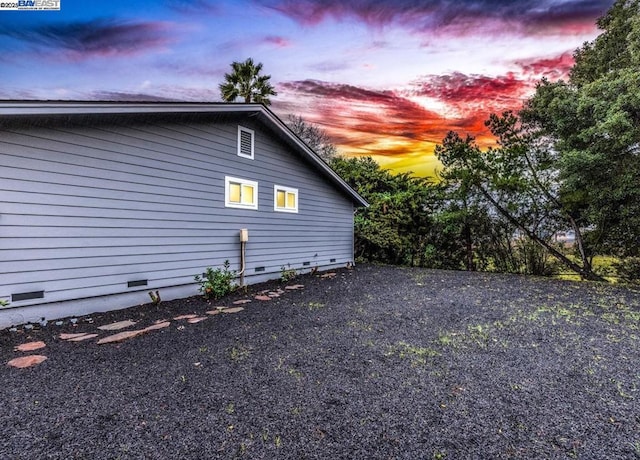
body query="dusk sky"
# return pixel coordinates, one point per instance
(385, 78)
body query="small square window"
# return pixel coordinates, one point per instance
(285, 199)
(240, 193)
(245, 142)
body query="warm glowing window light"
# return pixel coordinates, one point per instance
(241, 193)
(285, 199)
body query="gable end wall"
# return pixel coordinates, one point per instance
(86, 210)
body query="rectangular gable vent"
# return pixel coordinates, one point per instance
(245, 142)
(27, 296)
(137, 283)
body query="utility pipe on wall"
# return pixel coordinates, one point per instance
(244, 237)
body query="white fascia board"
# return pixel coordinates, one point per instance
(82, 108)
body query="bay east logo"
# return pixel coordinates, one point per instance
(33, 5)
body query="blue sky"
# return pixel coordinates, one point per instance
(384, 78)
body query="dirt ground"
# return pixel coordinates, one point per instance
(375, 363)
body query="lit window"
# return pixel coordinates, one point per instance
(245, 142)
(285, 199)
(240, 193)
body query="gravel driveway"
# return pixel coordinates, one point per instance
(375, 363)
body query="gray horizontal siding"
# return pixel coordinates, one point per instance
(84, 210)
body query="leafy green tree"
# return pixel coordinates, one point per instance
(314, 136)
(468, 235)
(395, 228)
(517, 179)
(617, 48)
(245, 82)
(593, 121)
(414, 222)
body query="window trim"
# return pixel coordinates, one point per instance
(277, 188)
(242, 129)
(227, 182)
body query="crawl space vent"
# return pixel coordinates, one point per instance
(27, 296)
(137, 283)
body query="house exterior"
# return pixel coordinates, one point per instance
(102, 202)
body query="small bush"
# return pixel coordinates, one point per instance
(3, 303)
(628, 269)
(155, 297)
(217, 283)
(287, 274)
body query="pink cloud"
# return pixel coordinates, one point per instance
(475, 92)
(377, 122)
(553, 68)
(564, 17)
(277, 41)
(252, 41)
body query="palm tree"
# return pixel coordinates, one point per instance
(246, 82)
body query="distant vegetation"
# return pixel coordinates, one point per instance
(568, 161)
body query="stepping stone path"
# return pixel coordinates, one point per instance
(197, 319)
(64, 336)
(82, 338)
(294, 287)
(117, 326)
(26, 361)
(269, 293)
(119, 337)
(190, 316)
(156, 326)
(77, 337)
(32, 360)
(30, 346)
